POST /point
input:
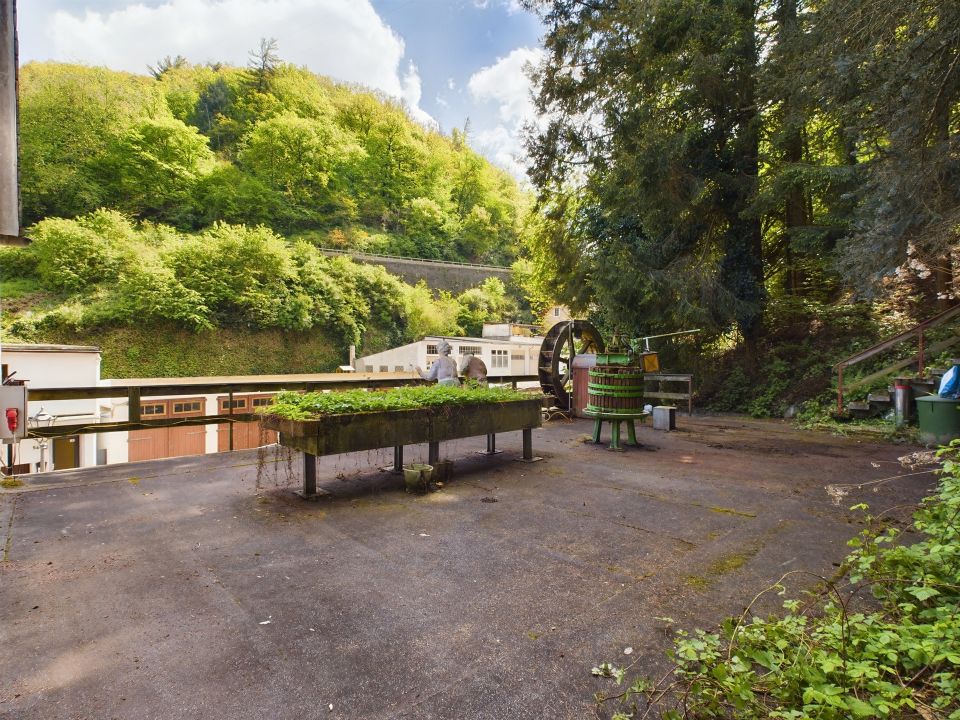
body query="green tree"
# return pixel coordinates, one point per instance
(484, 304)
(299, 158)
(653, 109)
(151, 167)
(69, 115)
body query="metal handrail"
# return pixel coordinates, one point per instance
(160, 387)
(915, 331)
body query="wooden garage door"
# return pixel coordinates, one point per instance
(245, 434)
(167, 442)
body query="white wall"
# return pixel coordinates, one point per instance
(52, 367)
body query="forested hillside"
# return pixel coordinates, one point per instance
(180, 212)
(269, 144)
(784, 174)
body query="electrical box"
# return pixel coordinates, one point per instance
(13, 413)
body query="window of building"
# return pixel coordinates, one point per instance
(262, 401)
(226, 404)
(556, 312)
(432, 350)
(384, 368)
(499, 358)
(368, 368)
(398, 368)
(152, 409)
(185, 407)
(469, 350)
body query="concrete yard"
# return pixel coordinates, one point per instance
(204, 588)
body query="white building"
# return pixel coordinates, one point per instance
(54, 366)
(59, 366)
(503, 350)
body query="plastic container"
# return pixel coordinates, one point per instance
(939, 419)
(416, 477)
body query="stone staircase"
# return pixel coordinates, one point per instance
(878, 403)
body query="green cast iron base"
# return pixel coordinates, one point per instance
(615, 419)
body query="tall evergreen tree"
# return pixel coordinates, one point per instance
(649, 158)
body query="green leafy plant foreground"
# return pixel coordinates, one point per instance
(307, 406)
(882, 643)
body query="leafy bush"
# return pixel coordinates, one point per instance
(153, 293)
(17, 263)
(427, 315)
(834, 657)
(241, 274)
(74, 255)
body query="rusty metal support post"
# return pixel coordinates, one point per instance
(230, 424)
(840, 390)
(528, 444)
(398, 458)
(133, 404)
(309, 475)
(433, 453)
(920, 354)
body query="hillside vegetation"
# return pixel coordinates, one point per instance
(187, 206)
(271, 144)
(90, 276)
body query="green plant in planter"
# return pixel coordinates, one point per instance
(305, 406)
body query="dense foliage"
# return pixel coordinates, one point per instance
(304, 406)
(697, 160)
(104, 270)
(835, 656)
(272, 144)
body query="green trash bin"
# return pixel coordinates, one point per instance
(939, 419)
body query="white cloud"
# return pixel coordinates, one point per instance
(344, 39)
(412, 90)
(507, 84)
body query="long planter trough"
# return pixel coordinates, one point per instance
(355, 432)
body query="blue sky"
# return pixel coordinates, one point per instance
(447, 59)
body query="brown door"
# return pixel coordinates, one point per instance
(164, 442)
(187, 439)
(66, 452)
(245, 434)
(151, 443)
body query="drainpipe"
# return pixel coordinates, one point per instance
(10, 233)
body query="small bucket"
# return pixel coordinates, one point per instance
(416, 477)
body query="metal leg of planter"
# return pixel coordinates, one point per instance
(309, 475)
(491, 446)
(632, 434)
(528, 455)
(433, 453)
(398, 459)
(597, 427)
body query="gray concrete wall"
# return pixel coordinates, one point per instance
(453, 277)
(9, 192)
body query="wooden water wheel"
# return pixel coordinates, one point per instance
(563, 342)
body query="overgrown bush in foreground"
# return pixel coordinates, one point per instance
(822, 658)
